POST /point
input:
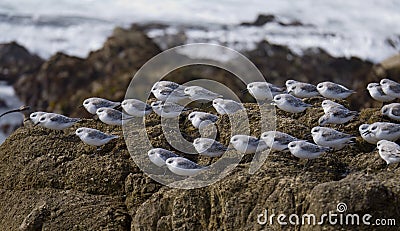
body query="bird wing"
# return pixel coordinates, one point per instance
(63, 119)
(210, 117)
(308, 87)
(297, 102)
(313, 148)
(283, 139)
(205, 92)
(334, 135)
(337, 89)
(117, 115)
(395, 88)
(391, 128)
(187, 164)
(97, 135)
(344, 113)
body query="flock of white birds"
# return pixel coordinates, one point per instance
(289, 99)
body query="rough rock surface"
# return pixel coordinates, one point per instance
(52, 180)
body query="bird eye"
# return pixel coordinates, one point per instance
(124, 103)
(320, 86)
(294, 87)
(191, 116)
(34, 115)
(292, 145)
(384, 82)
(234, 139)
(251, 86)
(316, 130)
(86, 102)
(42, 119)
(385, 110)
(374, 127)
(278, 98)
(170, 161)
(101, 110)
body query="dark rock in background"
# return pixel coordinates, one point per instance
(15, 60)
(260, 20)
(63, 82)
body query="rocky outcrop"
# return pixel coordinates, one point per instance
(63, 81)
(15, 61)
(52, 180)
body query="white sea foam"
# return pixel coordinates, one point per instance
(77, 27)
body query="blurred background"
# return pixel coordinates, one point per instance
(53, 54)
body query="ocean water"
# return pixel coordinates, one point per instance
(11, 121)
(367, 29)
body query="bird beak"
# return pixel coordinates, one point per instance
(367, 132)
(119, 107)
(36, 124)
(26, 119)
(81, 106)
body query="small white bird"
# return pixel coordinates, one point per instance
(263, 90)
(226, 106)
(94, 137)
(305, 150)
(159, 156)
(301, 89)
(209, 147)
(337, 116)
(376, 92)
(384, 131)
(277, 140)
(199, 93)
(328, 137)
(34, 116)
(202, 118)
(333, 90)
(363, 129)
(390, 87)
(92, 104)
(136, 107)
(289, 103)
(168, 84)
(389, 151)
(166, 94)
(168, 109)
(56, 121)
(110, 116)
(329, 105)
(248, 144)
(392, 111)
(183, 167)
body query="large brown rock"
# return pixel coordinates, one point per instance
(63, 82)
(16, 60)
(51, 180)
